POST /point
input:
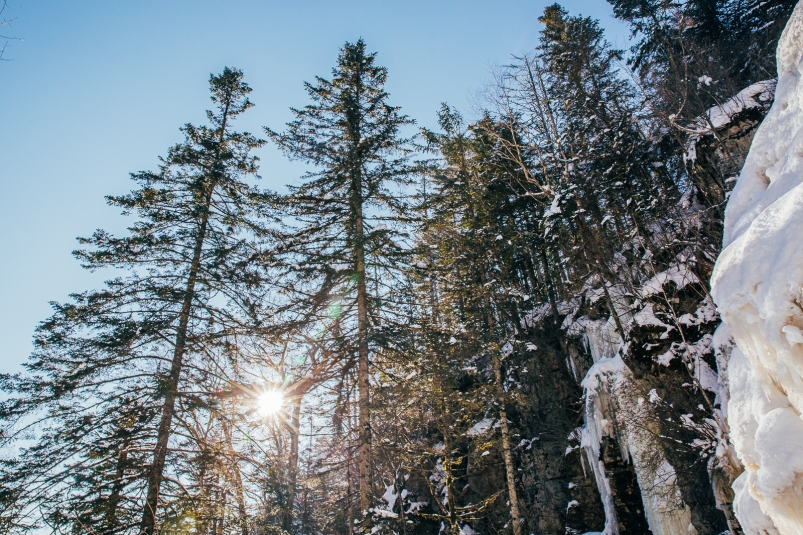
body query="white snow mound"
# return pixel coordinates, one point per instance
(757, 285)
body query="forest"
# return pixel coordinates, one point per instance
(508, 325)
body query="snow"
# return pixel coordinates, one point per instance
(757, 95)
(415, 506)
(757, 285)
(610, 368)
(646, 317)
(750, 97)
(596, 427)
(554, 208)
(617, 403)
(748, 511)
(722, 343)
(680, 274)
(390, 497)
(779, 441)
(481, 427)
(612, 409)
(383, 513)
(599, 336)
(665, 359)
(707, 313)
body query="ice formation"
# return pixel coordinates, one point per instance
(612, 410)
(757, 286)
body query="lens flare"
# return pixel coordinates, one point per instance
(270, 402)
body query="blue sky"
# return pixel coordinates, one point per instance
(98, 89)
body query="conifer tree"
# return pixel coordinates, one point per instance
(693, 56)
(191, 286)
(739, 35)
(610, 157)
(471, 222)
(347, 246)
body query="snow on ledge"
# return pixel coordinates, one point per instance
(753, 96)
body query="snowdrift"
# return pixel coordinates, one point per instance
(757, 285)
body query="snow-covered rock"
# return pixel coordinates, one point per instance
(757, 285)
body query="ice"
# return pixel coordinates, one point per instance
(612, 409)
(749, 513)
(757, 285)
(600, 337)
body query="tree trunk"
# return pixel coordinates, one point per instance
(237, 479)
(168, 408)
(510, 469)
(221, 516)
(295, 431)
(349, 504)
(114, 498)
(363, 383)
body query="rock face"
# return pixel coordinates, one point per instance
(561, 495)
(757, 283)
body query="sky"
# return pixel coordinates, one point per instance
(95, 90)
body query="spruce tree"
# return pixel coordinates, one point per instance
(739, 35)
(151, 336)
(693, 56)
(472, 237)
(609, 157)
(346, 245)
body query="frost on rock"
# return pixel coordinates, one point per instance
(757, 283)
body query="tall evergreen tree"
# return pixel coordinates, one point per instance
(191, 287)
(739, 35)
(347, 243)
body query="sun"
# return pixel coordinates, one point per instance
(270, 402)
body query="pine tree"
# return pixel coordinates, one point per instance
(609, 156)
(740, 35)
(693, 56)
(192, 286)
(472, 221)
(345, 244)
